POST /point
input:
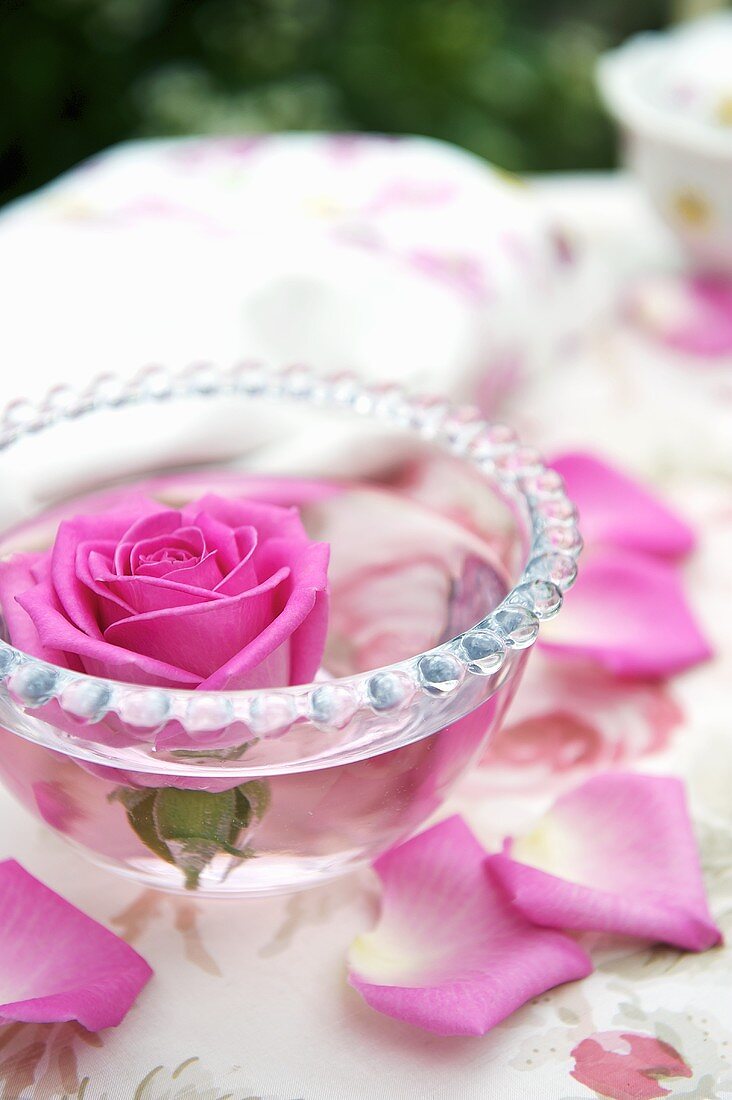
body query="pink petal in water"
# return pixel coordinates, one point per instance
(57, 963)
(449, 953)
(55, 805)
(617, 854)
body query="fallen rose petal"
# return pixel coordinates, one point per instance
(57, 963)
(628, 613)
(614, 509)
(692, 315)
(449, 953)
(623, 1065)
(617, 854)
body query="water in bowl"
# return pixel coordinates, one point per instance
(404, 576)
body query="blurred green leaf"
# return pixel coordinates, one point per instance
(511, 80)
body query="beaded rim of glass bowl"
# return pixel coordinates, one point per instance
(494, 449)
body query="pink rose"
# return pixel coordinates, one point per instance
(221, 594)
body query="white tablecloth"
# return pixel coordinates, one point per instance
(250, 1000)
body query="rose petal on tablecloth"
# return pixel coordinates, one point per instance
(449, 953)
(628, 613)
(56, 963)
(617, 854)
(693, 314)
(617, 510)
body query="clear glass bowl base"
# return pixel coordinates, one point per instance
(275, 875)
(318, 823)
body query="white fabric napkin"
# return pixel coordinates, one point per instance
(402, 259)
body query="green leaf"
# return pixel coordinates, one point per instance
(257, 793)
(140, 814)
(184, 815)
(189, 828)
(234, 753)
(130, 796)
(192, 856)
(198, 825)
(242, 815)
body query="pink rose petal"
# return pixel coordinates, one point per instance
(268, 520)
(449, 953)
(16, 575)
(616, 510)
(187, 541)
(226, 593)
(124, 596)
(307, 640)
(625, 1065)
(105, 527)
(161, 523)
(615, 855)
(199, 638)
(59, 964)
(55, 633)
(55, 805)
(692, 315)
(289, 649)
(628, 613)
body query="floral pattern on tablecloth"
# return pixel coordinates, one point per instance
(251, 1000)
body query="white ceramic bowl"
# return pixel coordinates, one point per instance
(671, 92)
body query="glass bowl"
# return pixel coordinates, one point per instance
(234, 793)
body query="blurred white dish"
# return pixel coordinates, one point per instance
(671, 92)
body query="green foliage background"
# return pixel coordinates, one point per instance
(509, 79)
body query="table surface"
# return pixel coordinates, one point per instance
(251, 1000)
